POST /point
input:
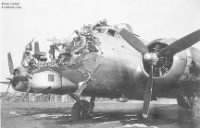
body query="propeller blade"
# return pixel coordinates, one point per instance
(26, 93)
(10, 63)
(5, 96)
(20, 78)
(147, 94)
(9, 78)
(7, 89)
(181, 44)
(133, 41)
(4, 82)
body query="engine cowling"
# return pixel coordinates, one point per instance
(20, 79)
(170, 68)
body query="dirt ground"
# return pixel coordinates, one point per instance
(106, 115)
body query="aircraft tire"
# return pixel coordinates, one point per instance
(80, 110)
(185, 101)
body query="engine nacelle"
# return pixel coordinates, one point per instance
(50, 80)
(45, 79)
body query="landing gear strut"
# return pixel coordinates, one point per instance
(82, 85)
(82, 109)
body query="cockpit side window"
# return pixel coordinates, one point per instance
(111, 32)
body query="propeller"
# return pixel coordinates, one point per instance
(153, 58)
(19, 76)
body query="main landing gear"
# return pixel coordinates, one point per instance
(82, 109)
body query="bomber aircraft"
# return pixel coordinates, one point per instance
(111, 61)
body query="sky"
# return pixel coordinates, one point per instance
(46, 19)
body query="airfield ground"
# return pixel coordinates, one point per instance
(106, 115)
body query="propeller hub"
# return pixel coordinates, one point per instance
(152, 58)
(147, 57)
